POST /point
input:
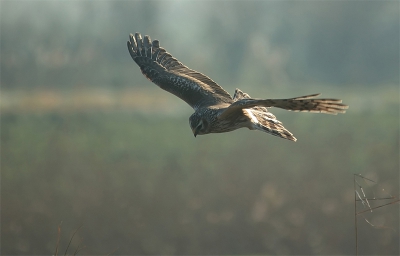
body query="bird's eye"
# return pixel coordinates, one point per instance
(200, 126)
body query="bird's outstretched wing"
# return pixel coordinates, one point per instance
(299, 104)
(171, 75)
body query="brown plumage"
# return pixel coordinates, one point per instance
(215, 110)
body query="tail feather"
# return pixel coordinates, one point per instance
(273, 126)
(262, 121)
(275, 129)
(239, 95)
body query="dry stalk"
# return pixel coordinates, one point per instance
(365, 202)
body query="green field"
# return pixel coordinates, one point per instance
(142, 183)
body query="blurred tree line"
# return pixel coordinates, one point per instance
(64, 43)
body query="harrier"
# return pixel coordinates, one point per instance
(215, 111)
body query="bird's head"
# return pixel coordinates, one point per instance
(199, 124)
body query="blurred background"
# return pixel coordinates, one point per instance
(87, 140)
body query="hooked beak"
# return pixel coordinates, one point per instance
(194, 133)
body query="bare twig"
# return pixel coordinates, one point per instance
(382, 198)
(70, 240)
(355, 213)
(381, 227)
(78, 248)
(394, 202)
(359, 175)
(364, 200)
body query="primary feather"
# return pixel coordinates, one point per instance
(171, 75)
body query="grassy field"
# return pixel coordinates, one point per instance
(141, 182)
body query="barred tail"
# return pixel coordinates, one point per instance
(263, 122)
(276, 130)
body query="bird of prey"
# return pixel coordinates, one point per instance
(215, 111)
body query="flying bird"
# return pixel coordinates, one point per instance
(215, 110)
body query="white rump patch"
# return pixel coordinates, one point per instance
(253, 118)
